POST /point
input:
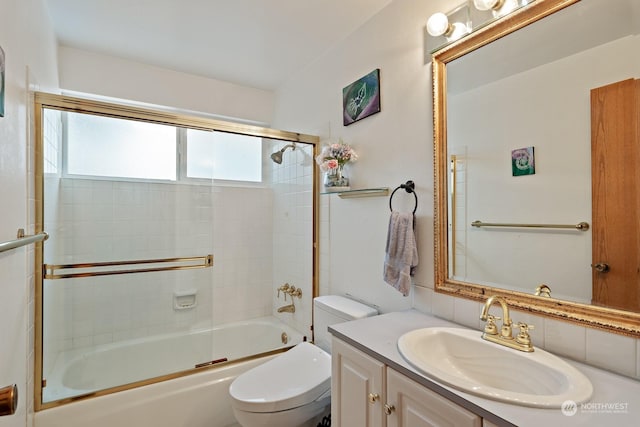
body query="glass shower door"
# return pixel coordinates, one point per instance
(127, 289)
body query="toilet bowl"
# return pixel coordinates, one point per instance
(294, 388)
(285, 391)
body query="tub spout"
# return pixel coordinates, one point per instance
(287, 309)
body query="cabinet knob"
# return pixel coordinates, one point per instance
(388, 409)
(373, 397)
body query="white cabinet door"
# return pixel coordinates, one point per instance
(357, 388)
(413, 405)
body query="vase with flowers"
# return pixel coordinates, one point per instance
(332, 160)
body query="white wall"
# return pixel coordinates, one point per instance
(108, 76)
(396, 145)
(27, 40)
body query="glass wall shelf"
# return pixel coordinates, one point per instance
(363, 192)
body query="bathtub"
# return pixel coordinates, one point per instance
(199, 399)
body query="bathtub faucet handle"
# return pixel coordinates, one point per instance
(294, 292)
(284, 288)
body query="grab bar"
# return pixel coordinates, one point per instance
(49, 270)
(23, 240)
(582, 226)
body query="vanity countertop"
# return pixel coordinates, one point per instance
(615, 400)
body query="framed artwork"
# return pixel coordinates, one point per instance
(361, 98)
(523, 162)
(1, 82)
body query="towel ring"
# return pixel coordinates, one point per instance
(409, 187)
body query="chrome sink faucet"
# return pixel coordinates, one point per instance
(505, 337)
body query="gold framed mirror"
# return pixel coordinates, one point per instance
(578, 310)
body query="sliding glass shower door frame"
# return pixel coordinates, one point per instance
(72, 104)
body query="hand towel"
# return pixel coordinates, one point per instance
(401, 255)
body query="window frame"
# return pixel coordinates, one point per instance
(181, 142)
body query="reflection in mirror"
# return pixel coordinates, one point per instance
(528, 142)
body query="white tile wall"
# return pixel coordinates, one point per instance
(638, 358)
(98, 220)
(565, 339)
(466, 312)
(615, 352)
(293, 232)
(260, 238)
(52, 133)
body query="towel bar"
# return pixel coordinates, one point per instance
(582, 226)
(49, 270)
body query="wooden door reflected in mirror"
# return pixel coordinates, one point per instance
(615, 156)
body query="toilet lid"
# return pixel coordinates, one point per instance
(292, 379)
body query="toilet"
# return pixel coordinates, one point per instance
(294, 388)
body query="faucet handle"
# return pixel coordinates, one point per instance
(284, 288)
(523, 336)
(491, 328)
(295, 292)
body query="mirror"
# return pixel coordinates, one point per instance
(513, 148)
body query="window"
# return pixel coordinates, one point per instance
(110, 147)
(219, 155)
(128, 149)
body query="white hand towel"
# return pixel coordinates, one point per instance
(401, 255)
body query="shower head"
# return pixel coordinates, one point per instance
(277, 156)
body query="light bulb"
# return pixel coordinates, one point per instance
(505, 7)
(438, 24)
(486, 4)
(458, 30)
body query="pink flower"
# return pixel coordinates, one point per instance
(333, 156)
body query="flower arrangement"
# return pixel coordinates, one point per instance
(335, 156)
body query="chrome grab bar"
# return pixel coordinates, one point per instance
(582, 226)
(23, 240)
(49, 270)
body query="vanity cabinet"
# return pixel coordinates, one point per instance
(366, 392)
(357, 387)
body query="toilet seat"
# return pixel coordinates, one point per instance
(292, 379)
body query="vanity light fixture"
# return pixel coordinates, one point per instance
(497, 7)
(448, 27)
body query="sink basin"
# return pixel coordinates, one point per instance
(461, 359)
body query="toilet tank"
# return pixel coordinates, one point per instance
(331, 309)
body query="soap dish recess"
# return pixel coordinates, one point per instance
(184, 300)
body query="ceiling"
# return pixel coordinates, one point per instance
(255, 43)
